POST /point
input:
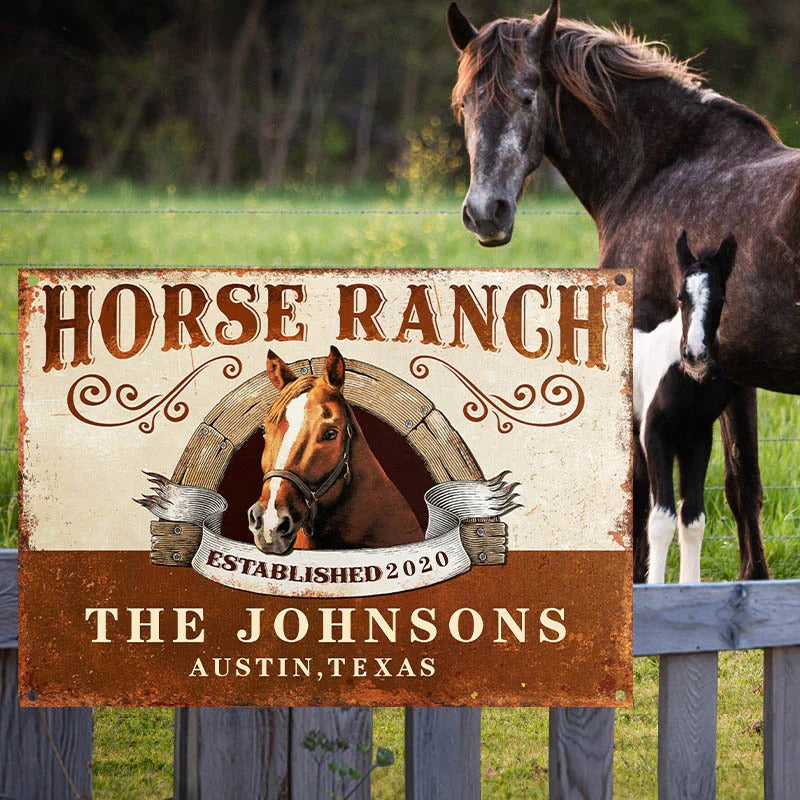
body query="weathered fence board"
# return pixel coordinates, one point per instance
(354, 725)
(8, 599)
(689, 618)
(443, 753)
(581, 746)
(782, 723)
(223, 753)
(687, 727)
(29, 767)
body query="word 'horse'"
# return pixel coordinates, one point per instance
(319, 472)
(678, 393)
(649, 152)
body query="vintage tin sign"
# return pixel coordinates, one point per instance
(325, 487)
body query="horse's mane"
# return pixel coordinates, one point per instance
(584, 59)
(288, 393)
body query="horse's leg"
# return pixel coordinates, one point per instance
(641, 508)
(692, 465)
(739, 425)
(662, 519)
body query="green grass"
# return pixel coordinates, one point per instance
(132, 754)
(133, 748)
(289, 240)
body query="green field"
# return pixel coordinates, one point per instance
(133, 747)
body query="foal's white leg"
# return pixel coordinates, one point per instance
(690, 539)
(660, 530)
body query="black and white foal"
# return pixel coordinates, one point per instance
(678, 392)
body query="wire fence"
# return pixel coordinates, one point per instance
(307, 212)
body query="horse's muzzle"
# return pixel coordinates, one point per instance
(491, 220)
(275, 535)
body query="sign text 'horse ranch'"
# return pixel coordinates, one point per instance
(325, 487)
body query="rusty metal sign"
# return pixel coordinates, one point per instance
(325, 487)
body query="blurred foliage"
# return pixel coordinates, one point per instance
(45, 180)
(269, 93)
(431, 164)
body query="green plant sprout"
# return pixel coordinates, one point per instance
(322, 748)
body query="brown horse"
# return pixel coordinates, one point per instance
(648, 151)
(319, 472)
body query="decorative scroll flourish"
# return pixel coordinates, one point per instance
(92, 391)
(558, 390)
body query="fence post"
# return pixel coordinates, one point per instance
(231, 753)
(443, 753)
(353, 725)
(581, 748)
(687, 726)
(781, 722)
(29, 767)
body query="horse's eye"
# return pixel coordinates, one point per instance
(330, 435)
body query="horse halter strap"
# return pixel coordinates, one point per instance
(312, 494)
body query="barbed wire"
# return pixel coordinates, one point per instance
(400, 212)
(140, 266)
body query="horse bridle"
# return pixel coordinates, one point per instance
(312, 494)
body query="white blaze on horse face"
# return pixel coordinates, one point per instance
(698, 290)
(295, 414)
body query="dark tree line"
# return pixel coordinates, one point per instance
(270, 91)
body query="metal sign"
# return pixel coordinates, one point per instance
(325, 487)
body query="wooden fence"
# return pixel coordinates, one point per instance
(256, 753)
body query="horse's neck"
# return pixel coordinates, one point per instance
(659, 126)
(372, 505)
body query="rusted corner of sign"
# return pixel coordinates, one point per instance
(26, 281)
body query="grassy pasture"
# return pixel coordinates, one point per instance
(133, 753)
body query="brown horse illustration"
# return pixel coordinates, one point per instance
(648, 151)
(320, 474)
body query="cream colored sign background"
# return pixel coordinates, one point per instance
(79, 480)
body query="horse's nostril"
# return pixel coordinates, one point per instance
(254, 518)
(467, 218)
(500, 212)
(284, 526)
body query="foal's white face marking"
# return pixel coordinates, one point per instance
(699, 291)
(295, 414)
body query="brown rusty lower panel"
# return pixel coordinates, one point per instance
(60, 665)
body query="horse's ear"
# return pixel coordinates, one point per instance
(726, 255)
(278, 371)
(461, 30)
(685, 256)
(334, 369)
(544, 30)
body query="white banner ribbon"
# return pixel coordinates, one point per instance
(334, 573)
